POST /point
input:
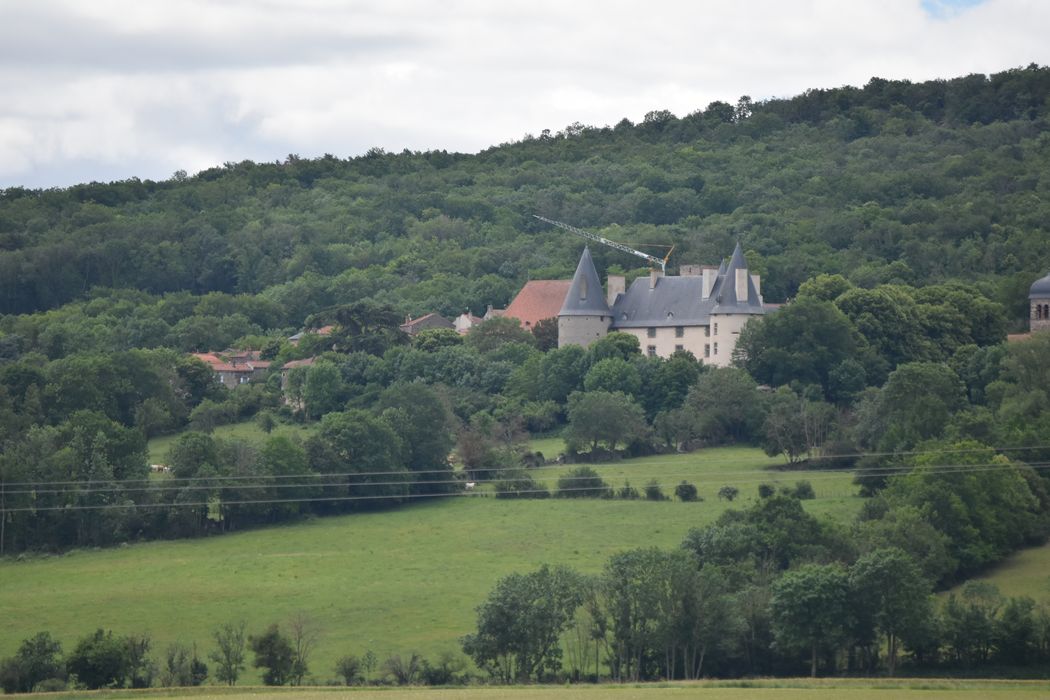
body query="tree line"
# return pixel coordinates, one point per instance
(769, 590)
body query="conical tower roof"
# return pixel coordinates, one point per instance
(725, 295)
(585, 297)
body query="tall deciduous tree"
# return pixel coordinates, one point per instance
(521, 622)
(810, 607)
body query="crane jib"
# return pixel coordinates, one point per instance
(605, 241)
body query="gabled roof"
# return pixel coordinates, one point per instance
(432, 320)
(538, 300)
(586, 296)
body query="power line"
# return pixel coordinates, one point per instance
(261, 481)
(545, 467)
(398, 497)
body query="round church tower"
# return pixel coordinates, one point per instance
(1039, 304)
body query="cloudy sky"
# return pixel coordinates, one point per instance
(111, 89)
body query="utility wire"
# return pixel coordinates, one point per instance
(675, 471)
(546, 467)
(398, 497)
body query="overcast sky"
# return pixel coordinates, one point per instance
(111, 89)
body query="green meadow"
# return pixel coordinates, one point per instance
(780, 689)
(1025, 573)
(247, 431)
(397, 581)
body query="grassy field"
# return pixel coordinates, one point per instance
(248, 431)
(781, 689)
(394, 582)
(1025, 573)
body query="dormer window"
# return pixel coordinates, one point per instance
(583, 288)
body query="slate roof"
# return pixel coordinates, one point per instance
(678, 301)
(724, 290)
(538, 300)
(586, 297)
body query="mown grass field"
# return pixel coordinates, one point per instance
(397, 581)
(780, 689)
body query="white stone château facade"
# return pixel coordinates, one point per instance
(701, 310)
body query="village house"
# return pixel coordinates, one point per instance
(235, 367)
(537, 301)
(702, 309)
(412, 326)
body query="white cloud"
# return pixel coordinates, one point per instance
(143, 87)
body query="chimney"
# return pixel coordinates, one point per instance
(617, 285)
(654, 275)
(757, 281)
(741, 285)
(689, 271)
(710, 274)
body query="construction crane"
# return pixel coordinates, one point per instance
(653, 260)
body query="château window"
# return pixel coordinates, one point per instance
(679, 348)
(716, 348)
(707, 331)
(716, 331)
(651, 350)
(650, 332)
(707, 350)
(679, 331)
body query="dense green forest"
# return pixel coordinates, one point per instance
(904, 222)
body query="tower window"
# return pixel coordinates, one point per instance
(716, 348)
(707, 331)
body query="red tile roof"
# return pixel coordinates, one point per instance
(538, 300)
(298, 363)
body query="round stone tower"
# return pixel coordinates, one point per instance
(584, 317)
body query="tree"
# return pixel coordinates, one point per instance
(273, 652)
(728, 493)
(802, 342)
(890, 594)
(182, 667)
(546, 333)
(582, 482)
(601, 416)
(497, 332)
(99, 660)
(229, 652)
(810, 607)
(303, 637)
(521, 621)
(38, 658)
(795, 426)
(611, 375)
(350, 669)
(727, 405)
(686, 492)
(323, 389)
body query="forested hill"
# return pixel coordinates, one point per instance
(895, 181)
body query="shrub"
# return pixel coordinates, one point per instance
(804, 491)
(686, 492)
(628, 492)
(519, 484)
(728, 493)
(766, 490)
(653, 492)
(582, 482)
(350, 669)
